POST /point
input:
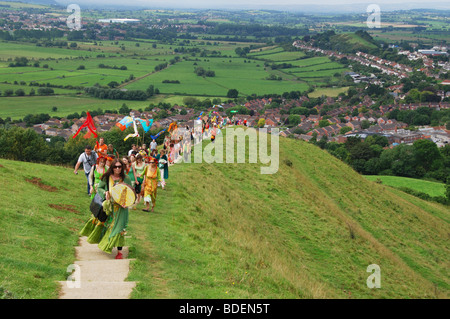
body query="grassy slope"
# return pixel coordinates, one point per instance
(37, 241)
(430, 188)
(226, 231)
(311, 230)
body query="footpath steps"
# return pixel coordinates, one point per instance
(101, 276)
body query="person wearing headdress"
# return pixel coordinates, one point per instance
(151, 177)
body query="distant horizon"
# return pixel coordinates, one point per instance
(319, 6)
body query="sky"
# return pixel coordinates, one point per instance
(297, 5)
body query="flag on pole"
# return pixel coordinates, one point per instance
(89, 123)
(124, 123)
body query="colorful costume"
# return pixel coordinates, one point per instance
(108, 234)
(139, 171)
(151, 184)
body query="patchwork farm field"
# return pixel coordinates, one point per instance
(247, 77)
(132, 64)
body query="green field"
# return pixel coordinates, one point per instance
(331, 92)
(226, 231)
(80, 67)
(247, 78)
(10, 50)
(18, 107)
(281, 56)
(431, 188)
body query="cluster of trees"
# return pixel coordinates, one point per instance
(242, 52)
(115, 67)
(275, 66)
(21, 34)
(196, 103)
(200, 71)
(171, 81)
(20, 92)
(421, 116)
(161, 66)
(422, 159)
(19, 62)
(116, 94)
(273, 77)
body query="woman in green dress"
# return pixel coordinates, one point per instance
(112, 232)
(130, 170)
(117, 222)
(96, 174)
(93, 228)
(139, 167)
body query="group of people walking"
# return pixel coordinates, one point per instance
(142, 169)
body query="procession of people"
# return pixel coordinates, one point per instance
(117, 184)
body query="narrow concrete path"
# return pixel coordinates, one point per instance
(101, 275)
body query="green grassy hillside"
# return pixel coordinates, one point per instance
(226, 231)
(427, 187)
(41, 212)
(309, 231)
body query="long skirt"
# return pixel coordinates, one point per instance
(138, 187)
(150, 189)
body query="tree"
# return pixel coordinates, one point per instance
(150, 90)
(345, 129)
(294, 119)
(232, 93)
(324, 123)
(191, 101)
(8, 92)
(426, 153)
(365, 124)
(113, 84)
(124, 109)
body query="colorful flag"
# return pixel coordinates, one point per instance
(124, 123)
(154, 137)
(146, 124)
(89, 123)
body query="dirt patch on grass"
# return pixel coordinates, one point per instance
(69, 208)
(38, 182)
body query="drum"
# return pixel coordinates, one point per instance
(123, 195)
